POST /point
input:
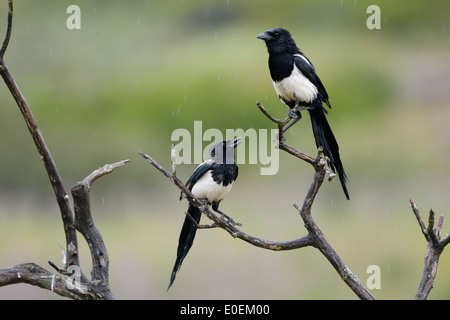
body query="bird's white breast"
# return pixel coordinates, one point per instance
(296, 88)
(207, 188)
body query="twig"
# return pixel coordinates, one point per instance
(281, 143)
(106, 169)
(435, 247)
(8, 30)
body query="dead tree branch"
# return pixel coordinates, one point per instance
(33, 274)
(81, 289)
(63, 284)
(435, 247)
(55, 179)
(315, 237)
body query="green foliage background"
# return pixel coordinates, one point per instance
(138, 70)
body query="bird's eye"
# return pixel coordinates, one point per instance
(276, 34)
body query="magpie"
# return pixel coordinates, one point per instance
(299, 87)
(211, 182)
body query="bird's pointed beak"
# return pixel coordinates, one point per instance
(264, 36)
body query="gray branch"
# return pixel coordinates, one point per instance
(435, 247)
(98, 286)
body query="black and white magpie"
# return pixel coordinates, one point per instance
(299, 87)
(211, 182)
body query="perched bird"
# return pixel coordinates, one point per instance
(299, 87)
(211, 182)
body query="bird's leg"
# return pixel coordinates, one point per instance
(305, 108)
(204, 205)
(228, 218)
(295, 115)
(215, 207)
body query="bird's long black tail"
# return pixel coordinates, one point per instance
(186, 239)
(325, 138)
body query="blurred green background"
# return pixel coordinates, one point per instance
(136, 71)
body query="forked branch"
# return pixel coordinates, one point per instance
(55, 179)
(314, 238)
(98, 286)
(435, 247)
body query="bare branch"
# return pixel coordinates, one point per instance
(419, 219)
(106, 169)
(55, 179)
(430, 229)
(281, 141)
(33, 274)
(435, 247)
(8, 30)
(84, 223)
(219, 222)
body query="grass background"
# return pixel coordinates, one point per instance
(137, 71)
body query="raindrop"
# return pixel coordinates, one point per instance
(218, 77)
(51, 52)
(138, 22)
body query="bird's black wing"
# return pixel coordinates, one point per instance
(307, 69)
(198, 173)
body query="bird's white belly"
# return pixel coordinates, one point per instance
(296, 88)
(207, 188)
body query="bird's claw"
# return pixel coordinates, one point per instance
(204, 205)
(294, 113)
(229, 220)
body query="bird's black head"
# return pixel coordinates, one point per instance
(223, 152)
(278, 40)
